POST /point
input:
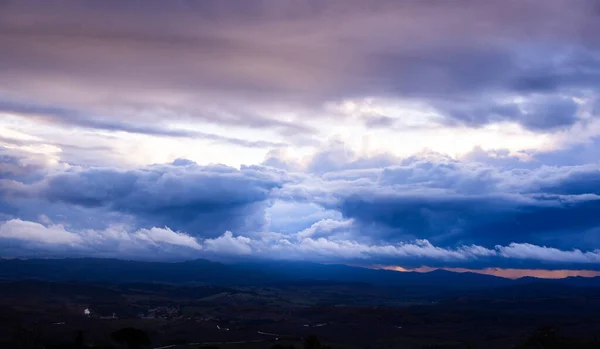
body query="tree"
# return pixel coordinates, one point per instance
(549, 337)
(79, 340)
(28, 338)
(546, 337)
(132, 337)
(281, 346)
(312, 342)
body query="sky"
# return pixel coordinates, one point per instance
(407, 134)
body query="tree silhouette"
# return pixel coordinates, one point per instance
(277, 346)
(28, 338)
(545, 337)
(549, 337)
(132, 337)
(79, 342)
(312, 342)
(281, 346)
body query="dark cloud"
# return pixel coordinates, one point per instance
(257, 66)
(20, 165)
(537, 83)
(574, 70)
(202, 200)
(537, 114)
(450, 202)
(11, 167)
(453, 202)
(297, 55)
(428, 210)
(549, 114)
(199, 199)
(438, 71)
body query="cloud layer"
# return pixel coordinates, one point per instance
(244, 65)
(425, 210)
(34, 239)
(454, 134)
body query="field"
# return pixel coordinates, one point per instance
(342, 315)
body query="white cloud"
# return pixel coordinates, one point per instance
(543, 253)
(229, 244)
(326, 227)
(157, 243)
(35, 232)
(166, 235)
(111, 241)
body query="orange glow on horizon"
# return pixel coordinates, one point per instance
(506, 273)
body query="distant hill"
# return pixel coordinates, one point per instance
(252, 273)
(294, 271)
(122, 271)
(576, 281)
(533, 288)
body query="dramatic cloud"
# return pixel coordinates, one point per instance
(413, 133)
(36, 239)
(425, 209)
(452, 202)
(298, 54)
(201, 199)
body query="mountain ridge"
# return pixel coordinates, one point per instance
(202, 271)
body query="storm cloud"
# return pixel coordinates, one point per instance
(191, 62)
(456, 134)
(432, 210)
